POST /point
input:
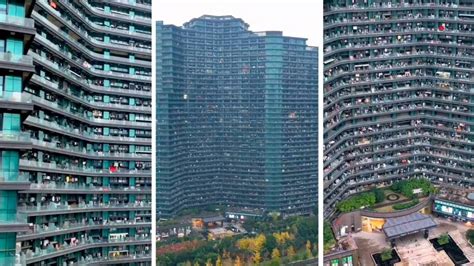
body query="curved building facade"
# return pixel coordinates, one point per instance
(398, 94)
(236, 118)
(87, 134)
(16, 69)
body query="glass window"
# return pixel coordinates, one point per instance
(3, 7)
(11, 123)
(15, 46)
(347, 261)
(13, 84)
(10, 164)
(7, 248)
(16, 8)
(8, 200)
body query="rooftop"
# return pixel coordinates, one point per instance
(408, 224)
(456, 194)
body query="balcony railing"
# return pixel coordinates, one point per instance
(60, 207)
(6, 136)
(16, 59)
(109, 260)
(90, 187)
(13, 176)
(87, 153)
(79, 225)
(17, 21)
(50, 250)
(19, 218)
(88, 38)
(91, 170)
(18, 97)
(117, 15)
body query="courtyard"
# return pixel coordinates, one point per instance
(415, 250)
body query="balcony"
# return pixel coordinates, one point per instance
(132, 4)
(17, 24)
(53, 167)
(116, 16)
(64, 249)
(68, 149)
(58, 208)
(14, 180)
(100, 44)
(41, 81)
(69, 188)
(16, 101)
(84, 135)
(388, 6)
(91, 54)
(115, 260)
(17, 224)
(66, 111)
(68, 228)
(16, 63)
(100, 28)
(15, 140)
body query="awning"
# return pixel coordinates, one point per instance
(213, 219)
(408, 224)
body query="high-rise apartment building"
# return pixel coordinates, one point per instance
(398, 94)
(236, 118)
(76, 132)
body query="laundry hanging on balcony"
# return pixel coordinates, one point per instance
(442, 27)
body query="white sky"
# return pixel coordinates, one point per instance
(297, 18)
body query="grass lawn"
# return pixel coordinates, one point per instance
(387, 205)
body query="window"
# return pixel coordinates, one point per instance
(16, 8)
(7, 247)
(10, 123)
(8, 201)
(3, 7)
(10, 163)
(347, 261)
(15, 46)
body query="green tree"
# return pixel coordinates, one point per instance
(366, 199)
(379, 195)
(328, 236)
(470, 236)
(270, 243)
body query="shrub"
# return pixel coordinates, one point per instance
(402, 206)
(386, 254)
(366, 199)
(406, 187)
(470, 236)
(443, 239)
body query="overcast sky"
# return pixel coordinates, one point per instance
(297, 18)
